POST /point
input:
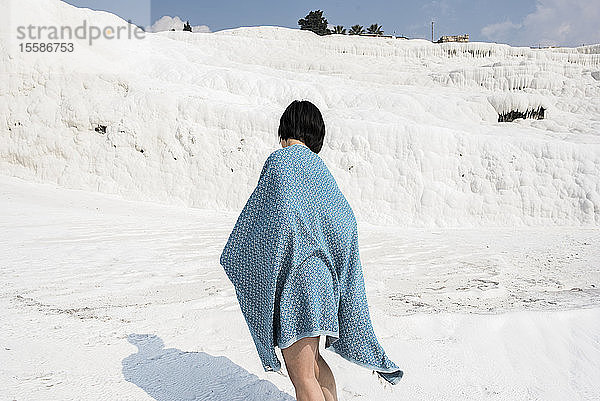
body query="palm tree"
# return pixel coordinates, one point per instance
(375, 29)
(339, 29)
(356, 30)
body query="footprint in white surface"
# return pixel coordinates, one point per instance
(171, 374)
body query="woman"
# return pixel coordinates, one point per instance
(294, 262)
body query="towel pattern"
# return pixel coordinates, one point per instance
(293, 259)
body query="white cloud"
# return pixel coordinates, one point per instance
(500, 30)
(166, 23)
(553, 23)
(439, 8)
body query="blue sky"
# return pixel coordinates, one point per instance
(517, 22)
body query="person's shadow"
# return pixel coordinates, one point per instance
(171, 374)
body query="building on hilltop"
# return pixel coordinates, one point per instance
(456, 38)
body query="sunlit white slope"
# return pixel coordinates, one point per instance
(412, 133)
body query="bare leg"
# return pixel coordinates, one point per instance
(325, 378)
(300, 361)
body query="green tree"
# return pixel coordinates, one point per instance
(356, 30)
(339, 29)
(314, 22)
(375, 29)
(187, 27)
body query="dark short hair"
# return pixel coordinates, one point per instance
(303, 121)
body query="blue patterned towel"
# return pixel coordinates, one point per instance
(294, 262)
